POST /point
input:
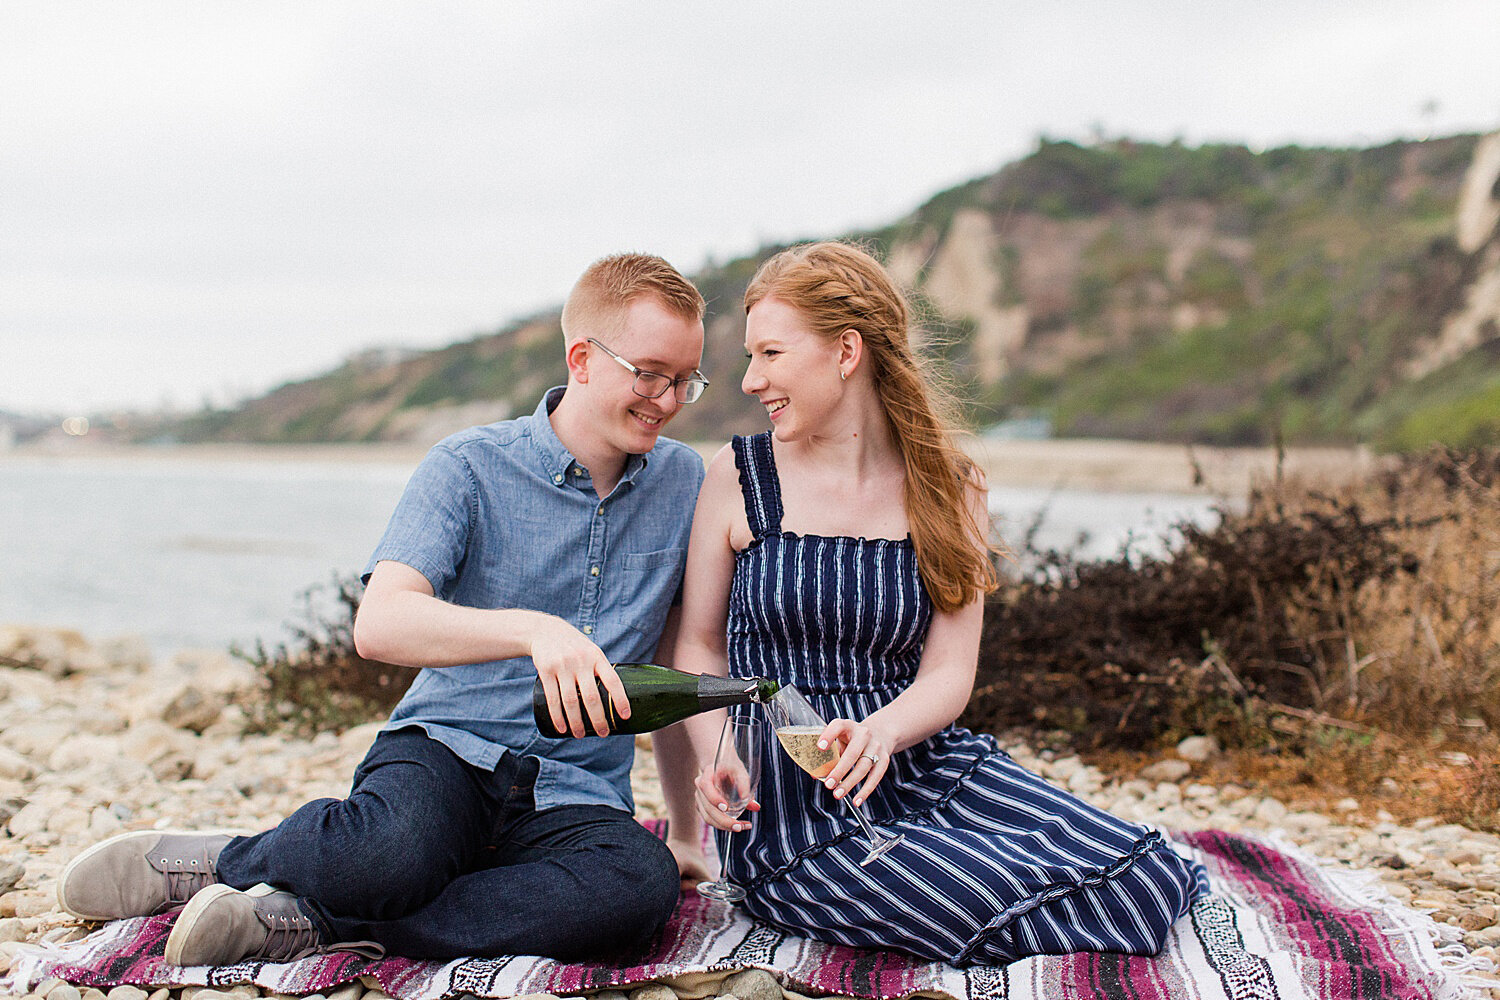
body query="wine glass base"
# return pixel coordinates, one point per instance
(727, 891)
(881, 846)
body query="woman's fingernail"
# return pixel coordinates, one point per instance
(822, 744)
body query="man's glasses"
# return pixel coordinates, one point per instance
(651, 385)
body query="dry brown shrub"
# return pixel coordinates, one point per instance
(1370, 608)
(1427, 645)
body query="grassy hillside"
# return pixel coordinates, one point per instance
(1127, 289)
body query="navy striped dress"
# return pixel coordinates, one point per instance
(996, 864)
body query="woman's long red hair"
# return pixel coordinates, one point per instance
(838, 287)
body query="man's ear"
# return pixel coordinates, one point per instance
(578, 361)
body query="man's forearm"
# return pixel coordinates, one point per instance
(416, 630)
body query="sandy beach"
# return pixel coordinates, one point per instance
(1144, 466)
(1086, 464)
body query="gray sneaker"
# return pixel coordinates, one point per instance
(222, 926)
(138, 874)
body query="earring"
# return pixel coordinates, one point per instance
(843, 375)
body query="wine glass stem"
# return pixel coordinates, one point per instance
(864, 824)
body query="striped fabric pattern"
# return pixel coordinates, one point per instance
(997, 864)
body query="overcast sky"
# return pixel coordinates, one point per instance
(199, 201)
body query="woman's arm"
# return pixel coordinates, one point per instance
(674, 768)
(701, 645)
(936, 696)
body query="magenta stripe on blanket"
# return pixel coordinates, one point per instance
(1348, 946)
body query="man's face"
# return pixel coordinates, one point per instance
(652, 339)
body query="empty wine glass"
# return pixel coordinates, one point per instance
(736, 777)
(798, 726)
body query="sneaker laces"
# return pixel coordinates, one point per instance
(187, 875)
(182, 885)
(289, 937)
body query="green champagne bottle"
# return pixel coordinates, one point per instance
(660, 696)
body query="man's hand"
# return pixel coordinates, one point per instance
(692, 864)
(568, 664)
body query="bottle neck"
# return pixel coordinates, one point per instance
(721, 692)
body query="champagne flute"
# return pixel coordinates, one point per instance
(736, 776)
(798, 726)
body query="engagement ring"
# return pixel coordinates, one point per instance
(869, 757)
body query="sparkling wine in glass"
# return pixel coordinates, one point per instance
(735, 778)
(798, 726)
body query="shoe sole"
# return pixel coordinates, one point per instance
(188, 919)
(147, 838)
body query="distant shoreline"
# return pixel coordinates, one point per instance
(1066, 463)
(409, 454)
(1112, 466)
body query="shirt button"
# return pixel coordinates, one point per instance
(593, 571)
(588, 630)
(601, 510)
(558, 478)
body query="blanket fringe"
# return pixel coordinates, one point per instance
(26, 967)
(1441, 943)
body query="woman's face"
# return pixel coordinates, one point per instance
(792, 371)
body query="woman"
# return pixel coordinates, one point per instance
(844, 552)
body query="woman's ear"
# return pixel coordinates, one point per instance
(851, 351)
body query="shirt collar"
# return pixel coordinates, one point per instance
(560, 465)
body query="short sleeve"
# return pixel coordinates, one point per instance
(430, 528)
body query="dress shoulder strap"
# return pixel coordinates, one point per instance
(758, 483)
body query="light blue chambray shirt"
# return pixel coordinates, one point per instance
(502, 516)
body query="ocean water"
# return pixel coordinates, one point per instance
(184, 552)
(1096, 524)
(199, 552)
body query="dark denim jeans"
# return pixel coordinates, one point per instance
(435, 858)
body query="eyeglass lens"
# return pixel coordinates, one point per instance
(651, 385)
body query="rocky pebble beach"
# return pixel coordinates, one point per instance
(97, 739)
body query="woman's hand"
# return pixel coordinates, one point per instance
(863, 761)
(713, 804)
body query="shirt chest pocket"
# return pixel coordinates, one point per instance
(649, 581)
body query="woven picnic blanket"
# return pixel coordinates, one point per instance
(1278, 925)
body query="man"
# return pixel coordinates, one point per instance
(546, 546)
